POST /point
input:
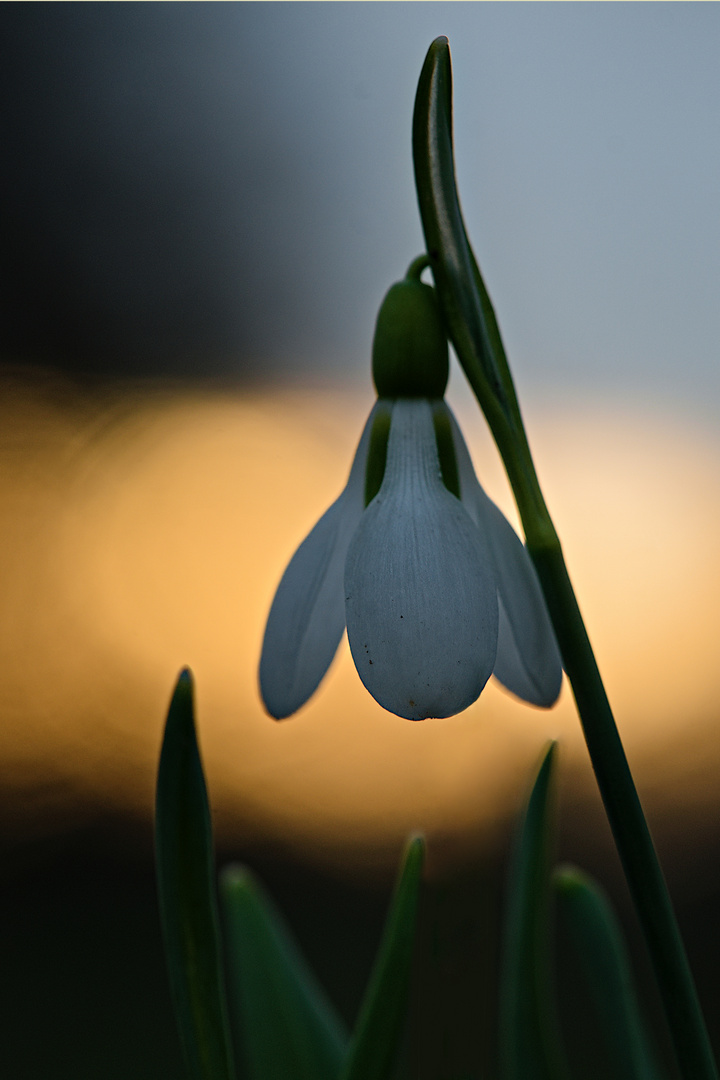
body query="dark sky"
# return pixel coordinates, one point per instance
(226, 189)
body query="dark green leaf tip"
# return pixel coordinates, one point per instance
(569, 880)
(236, 876)
(438, 46)
(549, 755)
(414, 852)
(186, 894)
(181, 703)
(238, 881)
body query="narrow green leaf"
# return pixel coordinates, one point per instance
(600, 948)
(288, 1027)
(530, 1047)
(382, 1014)
(186, 893)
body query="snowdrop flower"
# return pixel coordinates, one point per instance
(433, 584)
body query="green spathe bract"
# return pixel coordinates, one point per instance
(410, 351)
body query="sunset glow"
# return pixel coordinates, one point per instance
(145, 529)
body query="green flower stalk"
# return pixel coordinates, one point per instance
(474, 332)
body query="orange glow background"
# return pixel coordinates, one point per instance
(145, 527)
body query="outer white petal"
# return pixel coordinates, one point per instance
(307, 616)
(420, 596)
(528, 659)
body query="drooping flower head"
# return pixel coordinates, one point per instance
(433, 584)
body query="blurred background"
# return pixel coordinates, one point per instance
(203, 207)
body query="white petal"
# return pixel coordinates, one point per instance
(307, 617)
(528, 659)
(420, 597)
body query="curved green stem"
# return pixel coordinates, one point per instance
(416, 267)
(476, 337)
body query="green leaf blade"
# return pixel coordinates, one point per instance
(380, 1023)
(288, 1027)
(186, 894)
